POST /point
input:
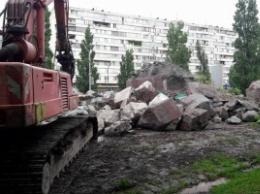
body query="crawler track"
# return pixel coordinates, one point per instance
(30, 159)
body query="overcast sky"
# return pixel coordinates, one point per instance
(210, 12)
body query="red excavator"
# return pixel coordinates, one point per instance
(32, 155)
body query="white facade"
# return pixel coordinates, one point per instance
(115, 33)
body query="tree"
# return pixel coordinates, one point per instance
(126, 67)
(86, 56)
(246, 66)
(48, 53)
(177, 52)
(203, 74)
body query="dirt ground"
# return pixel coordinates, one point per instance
(147, 161)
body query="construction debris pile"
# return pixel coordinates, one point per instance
(164, 97)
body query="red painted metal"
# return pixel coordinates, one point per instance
(31, 94)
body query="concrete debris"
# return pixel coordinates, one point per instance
(208, 90)
(253, 92)
(198, 101)
(145, 92)
(217, 119)
(91, 110)
(249, 116)
(78, 111)
(165, 77)
(222, 112)
(122, 95)
(108, 116)
(195, 119)
(133, 111)
(160, 115)
(234, 120)
(159, 98)
(124, 103)
(164, 97)
(118, 128)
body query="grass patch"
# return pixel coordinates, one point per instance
(170, 190)
(241, 183)
(124, 185)
(218, 165)
(154, 182)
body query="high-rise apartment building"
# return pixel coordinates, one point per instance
(115, 33)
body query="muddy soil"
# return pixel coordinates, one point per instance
(147, 161)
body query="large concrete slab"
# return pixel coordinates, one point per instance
(160, 115)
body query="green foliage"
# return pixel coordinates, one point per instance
(247, 57)
(202, 78)
(241, 183)
(256, 123)
(82, 79)
(203, 74)
(126, 67)
(177, 52)
(236, 91)
(135, 42)
(48, 52)
(218, 165)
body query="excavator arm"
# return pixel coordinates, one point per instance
(25, 42)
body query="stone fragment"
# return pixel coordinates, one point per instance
(253, 92)
(249, 105)
(234, 120)
(159, 98)
(118, 128)
(80, 110)
(122, 95)
(134, 110)
(198, 101)
(91, 110)
(108, 116)
(195, 119)
(217, 119)
(145, 92)
(160, 115)
(207, 90)
(221, 112)
(249, 116)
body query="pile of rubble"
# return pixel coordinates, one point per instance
(162, 99)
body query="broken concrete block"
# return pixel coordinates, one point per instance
(133, 110)
(91, 110)
(253, 92)
(122, 95)
(118, 128)
(80, 110)
(101, 124)
(249, 116)
(124, 103)
(195, 119)
(197, 101)
(109, 116)
(160, 115)
(249, 105)
(159, 98)
(106, 107)
(234, 120)
(217, 119)
(145, 92)
(207, 90)
(221, 112)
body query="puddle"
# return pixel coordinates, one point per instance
(203, 187)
